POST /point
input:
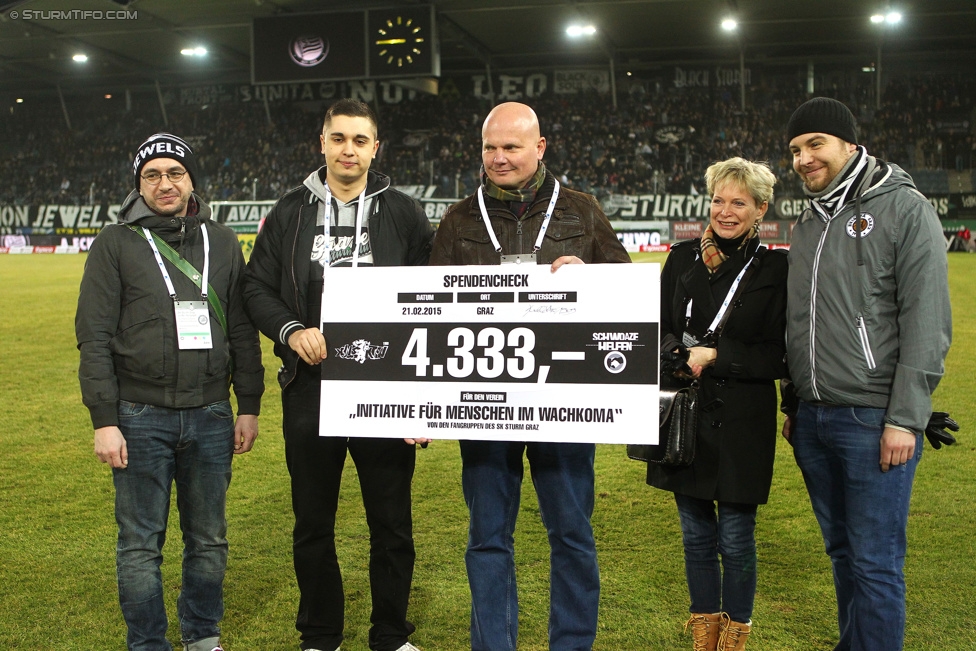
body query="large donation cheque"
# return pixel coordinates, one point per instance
(511, 352)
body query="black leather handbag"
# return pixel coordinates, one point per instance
(677, 430)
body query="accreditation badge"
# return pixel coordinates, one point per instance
(519, 258)
(193, 325)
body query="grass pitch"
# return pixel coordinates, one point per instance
(57, 530)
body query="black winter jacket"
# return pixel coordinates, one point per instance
(276, 279)
(126, 324)
(737, 425)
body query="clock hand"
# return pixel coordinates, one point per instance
(392, 41)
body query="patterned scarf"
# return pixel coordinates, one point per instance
(831, 199)
(712, 254)
(524, 194)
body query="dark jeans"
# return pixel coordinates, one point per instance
(195, 448)
(385, 468)
(731, 536)
(863, 516)
(562, 474)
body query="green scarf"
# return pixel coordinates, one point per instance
(524, 194)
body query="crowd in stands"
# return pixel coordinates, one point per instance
(657, 141)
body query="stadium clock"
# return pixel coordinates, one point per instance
(400, 42)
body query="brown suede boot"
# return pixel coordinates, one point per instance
(704, 630)
(732, 635)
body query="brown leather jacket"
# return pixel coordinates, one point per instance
(578, 227)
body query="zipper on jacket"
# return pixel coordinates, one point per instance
(862, 333)
(182, 234)
(813, 313)
(294, 249)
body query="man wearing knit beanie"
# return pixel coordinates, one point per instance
(160, 316)
(823, 116)
(164, 145)
(164, 172)
(868, 329)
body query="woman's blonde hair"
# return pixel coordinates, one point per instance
(755, 178)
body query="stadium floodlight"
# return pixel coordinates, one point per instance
(80, 58)
(198, 51)
(890, 17)
(20, 100)
(729, 24)
(576, 31)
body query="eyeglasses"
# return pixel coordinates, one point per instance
(153, 178)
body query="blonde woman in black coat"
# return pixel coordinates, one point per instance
(736, 369)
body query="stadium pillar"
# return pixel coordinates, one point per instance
(491, 84)
(613, 83)
(742, 78)
(877, 80)
(162, 104)
(64, 108)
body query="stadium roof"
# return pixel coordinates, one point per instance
(140, 45)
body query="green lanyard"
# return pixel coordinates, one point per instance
(190, 272)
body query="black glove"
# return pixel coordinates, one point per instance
(936, 432)
(675, 363)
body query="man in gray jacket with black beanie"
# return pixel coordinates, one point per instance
(163, 335)
(868, 329)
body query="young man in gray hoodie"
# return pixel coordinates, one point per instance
(344, 214)
(868, 329)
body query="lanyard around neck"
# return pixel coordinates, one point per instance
(162, 267)
(542, 231)
(359, 224)
(717, 321)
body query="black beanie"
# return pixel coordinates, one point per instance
(823, 115)
(164, 145)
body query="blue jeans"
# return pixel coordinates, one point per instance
(733, 536)
(195, 447)
(562, 474)
(863, 516)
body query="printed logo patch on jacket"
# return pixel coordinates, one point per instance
(867, 225)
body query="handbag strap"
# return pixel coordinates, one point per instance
(190, 272)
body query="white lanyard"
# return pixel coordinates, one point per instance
(725, 304)
(162, 267)
(542, 231)
(359, 225)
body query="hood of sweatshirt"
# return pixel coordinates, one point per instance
(376, 183)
